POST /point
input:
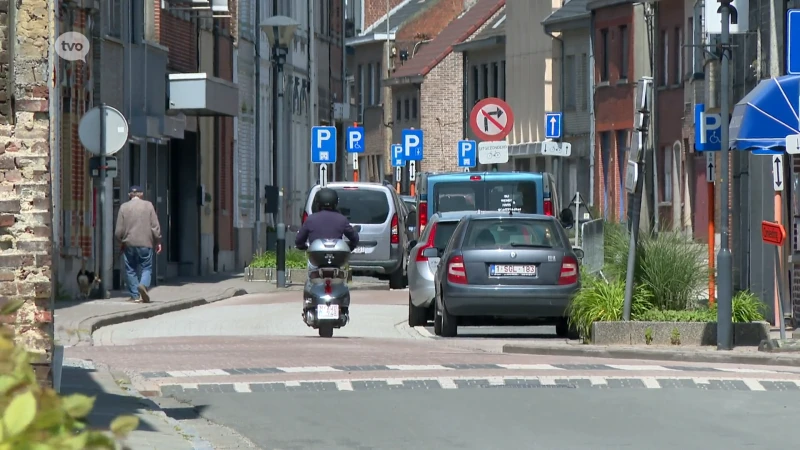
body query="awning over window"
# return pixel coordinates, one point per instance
(765, 116)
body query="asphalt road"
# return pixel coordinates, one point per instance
(481, 419)
(249, 363)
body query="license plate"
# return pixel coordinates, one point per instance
(512, 269)
(327, 312)
(360, 250)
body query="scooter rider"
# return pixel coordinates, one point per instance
(327, 223)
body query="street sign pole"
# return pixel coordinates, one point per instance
(725, 258)
(711, 174)
(102, 204)
(355, 159)
(773, 233)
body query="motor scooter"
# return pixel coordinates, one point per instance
(326, 297)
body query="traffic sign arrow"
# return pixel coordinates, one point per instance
(553, 125)
(778, 171)
(497, 112)
(323, 175)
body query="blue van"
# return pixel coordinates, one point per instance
(524, 192)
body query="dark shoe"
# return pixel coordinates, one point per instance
(144, 294)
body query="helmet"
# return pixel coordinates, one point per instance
(327, 198)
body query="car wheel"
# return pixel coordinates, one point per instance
(437, 318)
(326, 330)
(416, 316)
(396, 279)
(449, 324)
(563, 330)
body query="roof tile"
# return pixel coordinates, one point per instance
(454, 33)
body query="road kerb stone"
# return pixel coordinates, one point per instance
(96, 322)
(686, 355)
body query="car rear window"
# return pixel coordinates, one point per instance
(517, 196)
(361, 206)
(444, 231)
(513, 233)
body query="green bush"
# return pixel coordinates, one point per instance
(295, 259)
(598, 301)
(616, 241)
(746, 308)
(673, 270)
(692, 315)
(38, 418)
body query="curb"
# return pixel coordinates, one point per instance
(94, 323)
(656, 355)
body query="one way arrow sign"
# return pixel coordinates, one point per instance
(777, 173)
(711, 174)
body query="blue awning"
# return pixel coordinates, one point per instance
(765, 116)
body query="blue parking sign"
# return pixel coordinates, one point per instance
(467, 153)
(398, 156)
(323, 145)
(413, 144)
(355, 139)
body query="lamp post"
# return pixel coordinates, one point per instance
(280, 31)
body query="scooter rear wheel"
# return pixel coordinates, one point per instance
(326, 331)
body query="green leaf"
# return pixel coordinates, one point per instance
(123, 425)
(11, 307)
(77, 406)
(76, 442)
(19, 414)
(7, 383)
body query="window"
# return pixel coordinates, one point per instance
(370, 80)
(606, 48)
(486, 196)
(485, 73)
(503, 77)
(114, 18)
(414, 111)
(677, 75)
(624, 49)
(691, 51)
(503, 233)
(399, 112)
(476, 95)
(586, 90)
(665, 58)
(495, 80)
(667, 183)
(361, 206)
(406, 104)
(360, 93)
(376, 84)
(570, 82)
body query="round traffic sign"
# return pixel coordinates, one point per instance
(491, 119)
(116, 130)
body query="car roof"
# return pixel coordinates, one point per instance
(505, 215)
(450, 216)
(408, 198)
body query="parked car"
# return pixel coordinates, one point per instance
(411, 205)
(504, 269)
(421, 268)
(377, 213)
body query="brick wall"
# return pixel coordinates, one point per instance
(179, 34)
(441, 109)
(25, 193)
(374, 10)
(429, 24)
(225, 140)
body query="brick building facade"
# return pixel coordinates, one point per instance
(26, 246)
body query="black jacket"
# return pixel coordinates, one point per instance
(325, 224)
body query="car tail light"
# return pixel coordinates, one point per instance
(548, 207)
(328, 287)
(422, 215)
(474, 178)
(456, 272)
(569, 270)
(428, 244)
(305, 216)
(395, 230)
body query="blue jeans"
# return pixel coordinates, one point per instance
(138, 268)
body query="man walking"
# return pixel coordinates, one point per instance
(139, 232)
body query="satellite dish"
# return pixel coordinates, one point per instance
(116, 130)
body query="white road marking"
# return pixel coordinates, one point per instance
(598, 381)
(544, 381)
(424, 332)
(754, 385)
(419, 367)
(701, 381)
(529, 367)
(650, 383)
(242, 387)
(641, 368)
(737, 370)
(308, 369)
(344, 385)
(292, 383)
(447, 383)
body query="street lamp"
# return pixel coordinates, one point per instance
(280, 31)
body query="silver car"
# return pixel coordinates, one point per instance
(423, 258)
(378, 215)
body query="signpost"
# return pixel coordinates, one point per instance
(103, 131)
(793, 141)
(355, 145)
(711, 176)
(793, 41)
(552, 148)
(398, 162)
(707, 130)
(777, 173)
(413, 144)
(493, 152)
(412, 171)
(467, 154)
(491, 119)
(552, 125)
(323, 150)
(773, 233)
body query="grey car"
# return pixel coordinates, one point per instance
(504, 269)
(377, 214)
(422, 266)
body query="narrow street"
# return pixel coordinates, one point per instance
(250, 364)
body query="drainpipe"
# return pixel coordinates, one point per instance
(557, 168)
(592, 115)
(466, 108)
(257, 119)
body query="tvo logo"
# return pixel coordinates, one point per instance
(708, 129)
(72, 46)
